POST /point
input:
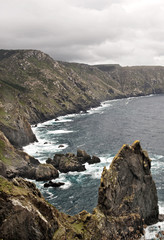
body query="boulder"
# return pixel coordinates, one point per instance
(82, 156)
(53, 184)
(94, 159)
(70, 163)
(46, 172)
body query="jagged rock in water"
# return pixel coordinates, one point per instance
(82, 156)
(94, 159)
(127, 193)
(53, 184)
(71, 162)
(46, 172)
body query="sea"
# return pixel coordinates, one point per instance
(101, 131)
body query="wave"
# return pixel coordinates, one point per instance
(62, 131)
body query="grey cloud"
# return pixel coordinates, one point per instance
(128, 32)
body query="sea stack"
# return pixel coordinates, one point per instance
(127, 194)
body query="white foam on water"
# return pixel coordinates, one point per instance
(99, 109)
(156, 156)
(41, 147)
(152, 231)
(67, 185)
(63, 131)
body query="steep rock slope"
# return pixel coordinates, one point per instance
(14, 162)
(34, 88)
(127, 200)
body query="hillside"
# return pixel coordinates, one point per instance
(34, 88)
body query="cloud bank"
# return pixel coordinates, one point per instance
(128, 32)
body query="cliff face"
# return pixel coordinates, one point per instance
(14, 162)
(127, 200)
(34, 88)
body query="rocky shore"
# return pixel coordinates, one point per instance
(127, 200)
(16, 163)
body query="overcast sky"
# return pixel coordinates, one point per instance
(128, 32)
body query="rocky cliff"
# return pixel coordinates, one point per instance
(127, 200)
(34, 88)
(14, 162)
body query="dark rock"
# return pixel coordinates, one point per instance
(70, 163)
(45, 142)
(61, 146)
(94, 159)
(82, 156)
(56, 160)
(66, 163)
(53, 184)
(56, 119)
(46, 172)
(49, 161)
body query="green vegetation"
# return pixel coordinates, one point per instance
(9, 188)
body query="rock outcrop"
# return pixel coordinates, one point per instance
(127, 194)
(127, 200)
(24, 214)
(70, 162)
(14, 162)
(128, 187)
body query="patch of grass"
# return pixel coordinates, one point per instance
(10, 188)
(5, 186)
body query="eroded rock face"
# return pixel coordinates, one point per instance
(14, 162)
(127, 194)
(24, 214)
(20, 134)
(128, 187)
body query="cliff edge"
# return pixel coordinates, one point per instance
(127, 200)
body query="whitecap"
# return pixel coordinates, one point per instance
(63, 131)
(99, 109)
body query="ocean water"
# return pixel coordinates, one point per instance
(101, 131)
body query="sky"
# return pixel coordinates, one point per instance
(125, 32)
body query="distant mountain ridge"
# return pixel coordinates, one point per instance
(35, 87)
